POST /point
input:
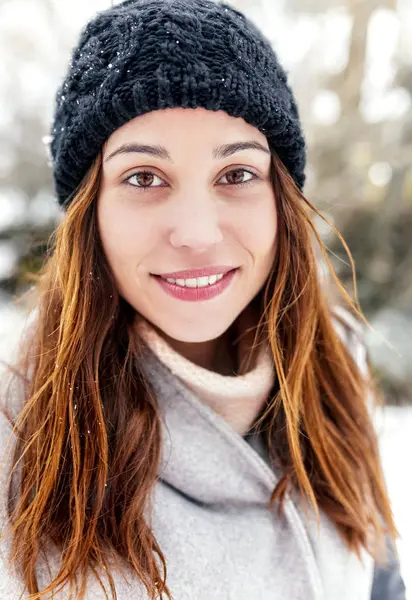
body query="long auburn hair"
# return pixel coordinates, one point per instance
(88, 431)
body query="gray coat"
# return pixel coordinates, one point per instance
(210, 518)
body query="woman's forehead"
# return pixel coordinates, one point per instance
(173, 127)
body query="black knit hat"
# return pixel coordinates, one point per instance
(143, 55)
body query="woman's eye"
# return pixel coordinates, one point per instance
(144, 179)
(236, 177)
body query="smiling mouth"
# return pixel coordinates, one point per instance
(197, 288)
(196, 282)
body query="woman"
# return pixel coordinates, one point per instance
(194, 419)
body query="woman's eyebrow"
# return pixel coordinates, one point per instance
(222, 151)
(227, 149)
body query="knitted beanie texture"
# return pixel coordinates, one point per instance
(144, 55)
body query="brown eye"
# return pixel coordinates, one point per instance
(144, 180)
(237, 177)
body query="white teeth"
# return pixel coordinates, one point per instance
(201, 281)
(192, 283)
(196, 282)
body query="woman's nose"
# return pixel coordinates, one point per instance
(195, 223)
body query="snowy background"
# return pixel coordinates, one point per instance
(350, 65)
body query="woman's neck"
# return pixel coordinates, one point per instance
(218, 355)
(233, 375)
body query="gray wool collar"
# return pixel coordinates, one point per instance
(208, 462)
(232, 474)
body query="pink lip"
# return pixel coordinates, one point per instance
(194, 273)
(196, 294)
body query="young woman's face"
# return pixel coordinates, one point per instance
(188, 196)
